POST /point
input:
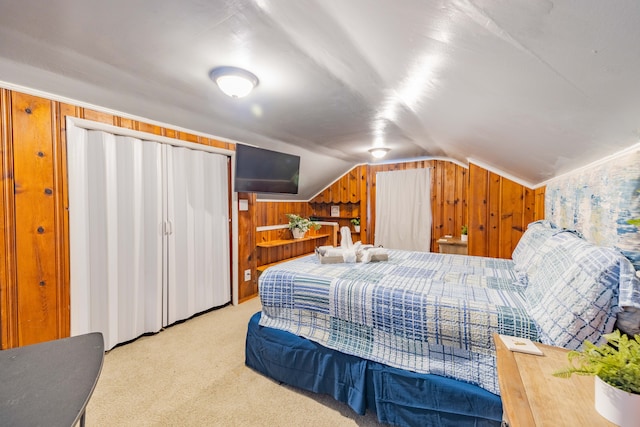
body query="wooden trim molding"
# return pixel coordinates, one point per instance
(8, 281)
(61, 217)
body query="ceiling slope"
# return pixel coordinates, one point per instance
(533, 89)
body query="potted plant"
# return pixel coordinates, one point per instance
(356, 224)
(299, 225)
(463, 233)
(616, 366)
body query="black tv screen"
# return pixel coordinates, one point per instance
(265, 171)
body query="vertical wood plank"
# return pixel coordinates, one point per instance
(539, 203)
(510, 215)
(98, 116)
(185, 136)
(449, 187)
(126, 123)
(145, 127)
(438, 201)
(494, 212)
(221, 144)
(61, 219)
(247, 248)
(459, 198)
(477, 211)
(62, 215)
(169, 133)
(363, 208)
(529, 204)
(354, 185)
(38, 303)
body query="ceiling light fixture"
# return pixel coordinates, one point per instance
(379, 152)
(233, 81)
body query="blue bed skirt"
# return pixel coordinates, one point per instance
(397, 396)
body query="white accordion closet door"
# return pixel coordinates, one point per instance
(198, 248)
(115, 213)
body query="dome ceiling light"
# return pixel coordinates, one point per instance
(379, 152)
(233, 81)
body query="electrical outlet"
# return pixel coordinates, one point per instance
(247, 275)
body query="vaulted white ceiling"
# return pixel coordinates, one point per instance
(532, 88)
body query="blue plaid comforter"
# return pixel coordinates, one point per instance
(424, 312)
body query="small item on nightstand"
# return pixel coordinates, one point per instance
(522, 345)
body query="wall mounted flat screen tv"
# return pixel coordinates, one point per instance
(264, 171)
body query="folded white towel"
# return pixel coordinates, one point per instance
(346, 242)
(365, 257)
(322, 250)
(349, 255)
(377, 251)
(334, 252)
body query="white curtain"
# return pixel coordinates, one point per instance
(403, 210)
(131, 263)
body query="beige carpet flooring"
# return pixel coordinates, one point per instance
(193, 374)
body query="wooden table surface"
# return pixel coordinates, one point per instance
(532, 396)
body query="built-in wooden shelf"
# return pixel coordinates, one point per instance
(284, 242)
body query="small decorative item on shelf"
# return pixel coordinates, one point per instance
(299, 225)
(616, 366)
(356, 224)
(463, 233)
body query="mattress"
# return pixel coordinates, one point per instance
(422, 312)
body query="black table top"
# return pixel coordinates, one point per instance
(49, 384)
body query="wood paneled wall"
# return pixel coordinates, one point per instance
(34, 272)
(349, 193)
(259, 215)
(268, 213)
(268, 255)
(495, 208)
(499, 212)
(449, 187)
(350, 188)
(247, 251)
(276, 215)
(355, 193)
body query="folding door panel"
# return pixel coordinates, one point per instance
(198, 276)
(115, 217)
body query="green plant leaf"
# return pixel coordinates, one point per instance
(300, 223)
(616, 362)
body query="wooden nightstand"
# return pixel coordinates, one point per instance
(452, 245)
(532, 396)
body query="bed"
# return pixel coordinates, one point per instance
(411, 338)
